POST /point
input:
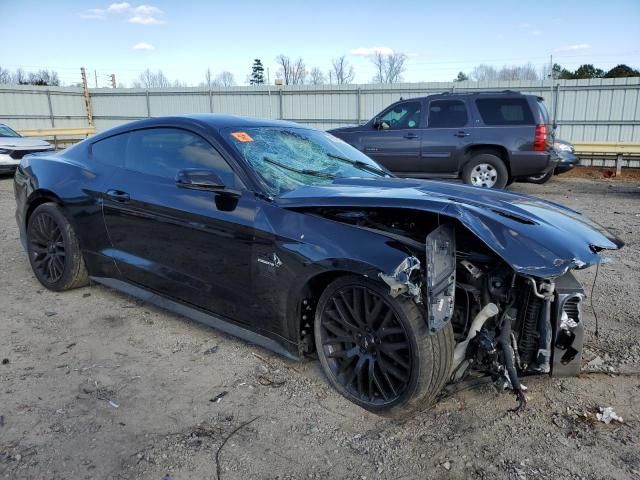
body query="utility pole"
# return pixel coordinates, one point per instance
(95, 76)
(113, 80)
(87, 98)
(552, 99)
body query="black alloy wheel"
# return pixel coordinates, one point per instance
(54, 250)
(47, 247)
(366, 345)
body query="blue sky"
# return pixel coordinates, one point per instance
(185, 37)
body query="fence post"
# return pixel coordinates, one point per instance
(148, 104)
(358, 100)
(210, 100)
(281, 103)
(618, 165)
(53, 122)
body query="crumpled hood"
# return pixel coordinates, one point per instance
(534, 236)
(23, 143)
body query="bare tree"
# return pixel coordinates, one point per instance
(226, 79)
(291, 72)
(379, 61)
(395, 67)
(484, 72)
(342, 70)
(149, 79)
(208, 79)
(20, 77)
(507, 72)
(316, 77)
(5, 76)
(43, 77)
(389, 67)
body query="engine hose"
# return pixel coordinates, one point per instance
(508, 357)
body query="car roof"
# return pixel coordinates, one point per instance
(208, 120)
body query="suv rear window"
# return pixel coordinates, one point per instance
(505, 111)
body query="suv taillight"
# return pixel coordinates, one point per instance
(540, 138)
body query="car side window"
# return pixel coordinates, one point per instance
(447, 114)
(402, 116)
(110, 151)
(505, 111)
(164, 151)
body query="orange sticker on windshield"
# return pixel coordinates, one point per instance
(242, 136)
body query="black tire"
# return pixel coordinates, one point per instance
(491, 165)
(540, 179)
(53, 249)
(402, 366)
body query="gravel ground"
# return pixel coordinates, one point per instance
(95, 384)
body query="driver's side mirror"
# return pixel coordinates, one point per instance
(376, 123)
(200, 179)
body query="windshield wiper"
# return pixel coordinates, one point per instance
(313, 173)
(358, 164)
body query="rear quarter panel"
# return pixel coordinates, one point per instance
(75, 187)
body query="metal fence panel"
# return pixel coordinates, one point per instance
(595, 110)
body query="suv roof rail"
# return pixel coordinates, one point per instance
(486, 92)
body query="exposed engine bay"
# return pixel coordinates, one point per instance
(506, 325)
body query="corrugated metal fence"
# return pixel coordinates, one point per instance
(597, 110)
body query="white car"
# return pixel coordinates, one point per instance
(13, 147)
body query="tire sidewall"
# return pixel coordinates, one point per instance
(493, 160)
(53, 210)
(412, 336)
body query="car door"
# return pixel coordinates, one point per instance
(448, 132)
(394, 141)
(194, 246)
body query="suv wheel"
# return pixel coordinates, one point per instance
(486, 170)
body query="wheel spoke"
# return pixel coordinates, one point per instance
(396, 358)
(388, 368)
(344, 315)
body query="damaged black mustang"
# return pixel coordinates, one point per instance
(292, 239)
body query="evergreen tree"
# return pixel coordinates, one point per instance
(461, 77)
(257, 73)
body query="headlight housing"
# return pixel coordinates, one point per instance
(563, 147)
(4, 151)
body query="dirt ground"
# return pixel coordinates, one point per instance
(97, 385)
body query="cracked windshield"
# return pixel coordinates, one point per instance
(287, 158)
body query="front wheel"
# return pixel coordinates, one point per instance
(486, 170)
(377, 350)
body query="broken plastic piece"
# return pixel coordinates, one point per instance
(400, 282)
(607, 415)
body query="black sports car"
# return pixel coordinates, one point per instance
(292, 239)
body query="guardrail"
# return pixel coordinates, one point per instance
(61, 137)
(609, 155)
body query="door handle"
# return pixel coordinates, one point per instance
(118, 196)
(461, 134)
(411, 135)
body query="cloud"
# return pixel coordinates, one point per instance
(119, 7)
(145, 20)
(94, 14)
(141, 14)
(367, 52)
(573, 48)
(143, 46)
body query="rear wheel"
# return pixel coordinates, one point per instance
(54, 252)
(376, 350)
(486, 170)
